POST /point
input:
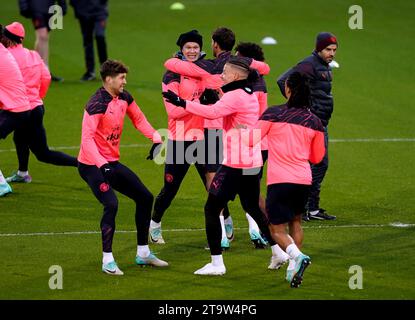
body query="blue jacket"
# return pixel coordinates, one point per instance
(320, 76)
(87, 9)
(39, 8)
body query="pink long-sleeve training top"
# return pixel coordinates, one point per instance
(183, 125)
(209, 72)
(103, 123)
(13, 95)
(295, 138)
(36, 75)
(260, 90)
(238, 107)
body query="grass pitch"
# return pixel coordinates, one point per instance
(370, 183)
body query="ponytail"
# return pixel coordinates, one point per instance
(300, 91)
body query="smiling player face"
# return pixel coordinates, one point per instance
(191, 51)
(115, 85)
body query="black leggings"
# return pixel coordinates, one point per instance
(126, 182)
(33, 137)
(318, 172)
(173, 177)
(229, 182)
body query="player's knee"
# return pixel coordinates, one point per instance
(146, 198)
(41, 155)
(111, 206)
(42, 35)
(100, 37)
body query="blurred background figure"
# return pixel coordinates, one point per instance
(36, 77)
(92, 16)
(38, 11)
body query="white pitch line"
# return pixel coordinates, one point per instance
(143, 145)
(374, 140)
(70, 233)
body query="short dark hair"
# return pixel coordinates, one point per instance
(112, 68)
(250, 50)
(240, 62)
(6, 41)
(224, 37)
(300, 91)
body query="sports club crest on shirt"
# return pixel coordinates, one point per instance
(104, 187)
(169, 177)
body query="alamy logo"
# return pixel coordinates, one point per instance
(356, 280)
(56, 20)
(56, 280)
(356, 20)
(241, 147)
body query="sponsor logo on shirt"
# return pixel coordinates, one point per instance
(114, 137)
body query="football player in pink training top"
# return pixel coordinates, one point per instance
(239, 171)
(185, 138)
(99, 164)
(295, 138)
(14, 104)
(254, 51)
(209, 70)
(37, 78)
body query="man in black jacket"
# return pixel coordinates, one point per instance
(92, 16)
(38, 11)
(319, 74)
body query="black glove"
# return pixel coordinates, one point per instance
(154, 151)
(209, 96)
(173, 98)
(107, 172)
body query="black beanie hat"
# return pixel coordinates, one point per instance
(324, 39)
(191, 36)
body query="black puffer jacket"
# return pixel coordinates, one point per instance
(39, 8)
(87, 9)
(320, 75)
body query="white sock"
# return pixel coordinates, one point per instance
(143, 251)
(293, 251)
(222, 224)
(313, 213)
(228, 220)
(278, 252)
(2, 180)
(155, 224)
(107, 257)
(217, 260)
(251, 222)
(291, 264)
(22, 173)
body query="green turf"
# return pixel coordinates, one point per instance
(369, 183)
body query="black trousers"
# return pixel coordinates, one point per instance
(89, 28)
(227, 183)
(318, 173)
(175, 170)
(11, 121)
(33, 137)
(126, 182)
